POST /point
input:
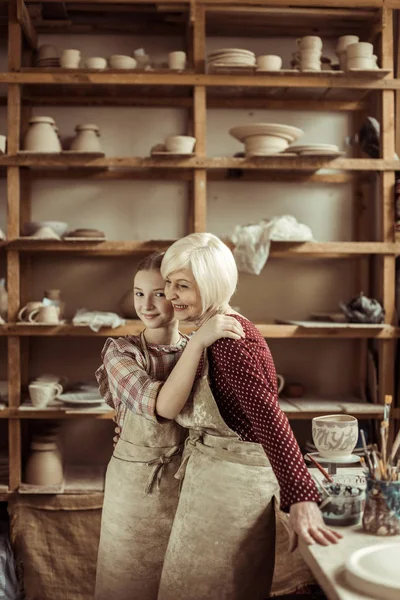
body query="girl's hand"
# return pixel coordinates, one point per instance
(219, 326)
(306, 523)
(116, 438)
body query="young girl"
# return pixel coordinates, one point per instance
(141, 492)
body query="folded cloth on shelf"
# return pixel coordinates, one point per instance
(97, 319)
(252, 242)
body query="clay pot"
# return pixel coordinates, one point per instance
(42, 136)
(44, 465)
(86, 139)
(126, 305)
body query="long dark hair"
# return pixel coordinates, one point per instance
(151, 262)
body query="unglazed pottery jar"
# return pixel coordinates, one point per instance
(335, 436)
(86, 139)
(44, 465)
(41, 136)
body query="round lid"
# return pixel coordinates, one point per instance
(43, 445)
(42, 120)
(89, 126)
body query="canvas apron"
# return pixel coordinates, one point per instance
(140, 500)
(223, 537)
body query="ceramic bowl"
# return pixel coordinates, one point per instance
(120, 61)
(265, 144)
(181, 144)
(335, 436)
(96, 62)
(287, 132)
(59, 227)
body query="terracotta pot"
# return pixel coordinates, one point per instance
(126, 305)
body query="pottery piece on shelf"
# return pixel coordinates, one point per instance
(3, 144)
(86, 233)
(54, 296)
(41, 136)
(177, 60)
(180, 144)
(121, 61)
(26, 310)
(288, 132)
(31, 227)
(45, 314)
(86, 139)
(44, 464)
(43, 392)
(45, 233)
(70, 59)
(96, 62)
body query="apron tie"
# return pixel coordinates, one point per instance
(190, 444)
(158, 465)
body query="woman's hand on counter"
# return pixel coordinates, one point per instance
(306, 523)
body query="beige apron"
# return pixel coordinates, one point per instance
(140, 500)
(223, 537)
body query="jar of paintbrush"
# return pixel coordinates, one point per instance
(382, 506)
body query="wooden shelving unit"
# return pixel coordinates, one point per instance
(196, 90)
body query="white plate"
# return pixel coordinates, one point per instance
(306, 147)
(328, 153)
(231, 51)
(286, 131)
(81, 398)
(351, 458)
(374, 571)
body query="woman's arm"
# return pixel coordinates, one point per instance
(174, 393)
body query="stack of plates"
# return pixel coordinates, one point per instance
(231, 57)
(316, 150)
(48, 62)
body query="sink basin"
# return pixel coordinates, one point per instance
(374, 571)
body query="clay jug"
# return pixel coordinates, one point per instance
(55, 297)
(3, 299)
(44, 465)
(86, 139)
(126, 305)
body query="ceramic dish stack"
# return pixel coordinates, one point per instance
(265, 139)
(228, 58)
(317, 150)
(48, 63)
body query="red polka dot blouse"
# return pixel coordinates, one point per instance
(243, 381)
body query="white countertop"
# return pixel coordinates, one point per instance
(327, 562)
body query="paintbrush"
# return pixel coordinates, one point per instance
(395, 448)
(320, 468)
(384, 440)
(367, 456)
(386, 408)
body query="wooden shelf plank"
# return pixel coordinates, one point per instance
(278, 249)
(268, 330)
(83, 77)
(274, 163)
(61, 413)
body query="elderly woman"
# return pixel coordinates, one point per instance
(240, 442)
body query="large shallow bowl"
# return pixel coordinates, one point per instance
(374, 571)
(263, 145)
(288, 132)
